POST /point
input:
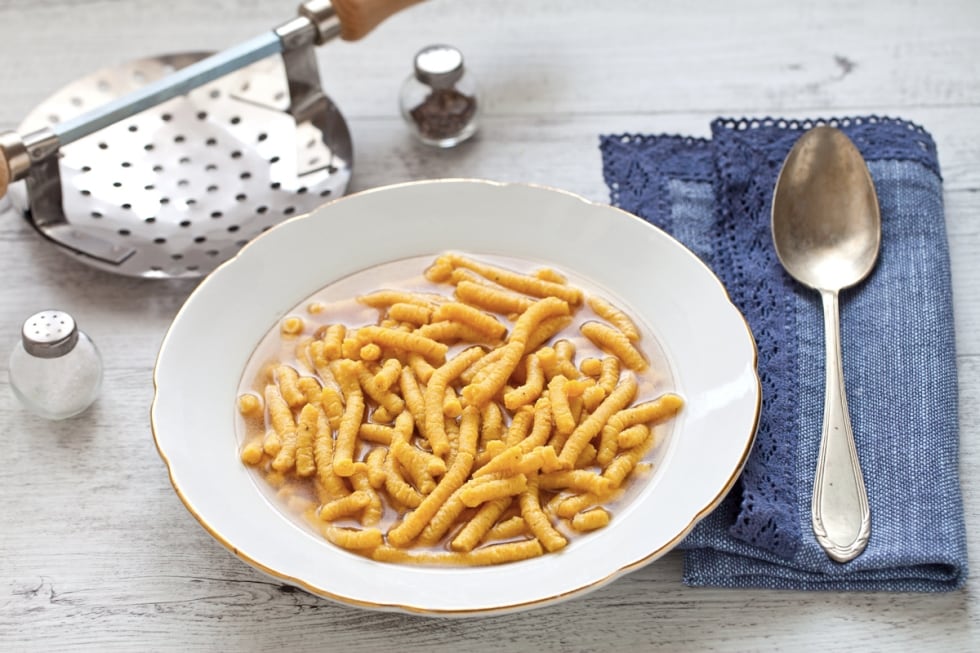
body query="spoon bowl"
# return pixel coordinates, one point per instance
(826, 229)
(825, 219)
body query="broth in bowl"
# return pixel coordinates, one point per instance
(461, 411)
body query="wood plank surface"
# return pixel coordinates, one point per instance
(96, 550)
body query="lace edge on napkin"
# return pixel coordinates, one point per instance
(638, 170)
(877, 137)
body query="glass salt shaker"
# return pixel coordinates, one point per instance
(439, 101)
(55, 370)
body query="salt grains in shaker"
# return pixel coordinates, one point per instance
(439, 101)
(55, 370)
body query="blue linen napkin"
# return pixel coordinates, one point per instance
(714, 195)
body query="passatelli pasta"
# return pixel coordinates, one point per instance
(483, 424)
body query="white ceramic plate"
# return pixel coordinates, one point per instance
(707, 342)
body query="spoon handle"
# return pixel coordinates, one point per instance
(841, 517)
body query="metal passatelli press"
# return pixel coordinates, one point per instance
(164, 167)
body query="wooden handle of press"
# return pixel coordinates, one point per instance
(4, 172)
(359, 17)
(14, 160)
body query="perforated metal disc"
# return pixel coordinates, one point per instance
(187, 183)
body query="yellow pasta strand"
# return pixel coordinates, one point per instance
(434, 352)
(520, 426)
(520, 282)
(391, 402)
(412, 394)
(614, 341)
(532, 387)
(332, 404)
(305, 433)
(546, 330)
(272, 443)
(478, 370)
(474, 318)
(376, 473)
(410, 527)
(443, 520)
(311, 390)
(591, 367)
(249, 405)
(332, 485)
(388, 375)
(421, 367)
(421, 463)
(344, 507)
(371, 514)
(451, 406)
(370, 352)
(491, 423)
(563, 419)
(565, 350)
(550, 274)
(476, 528)
(333, 339)
(478, 394)
(292, 326)
(343, 462)
(536, 520)
(592, 396)
(587, 457)
(507, 529)
(492, 490)
(542, 425)
(591, 520)
(451, 332)
(353, 539)
(503, 462)
(287, 378)
(648, 412)
(395, 482)
(571, 506)
(386, 298)
(252, 453)
(491, 299)
(539, 459)
(435, 392)
(623, 464)
(614, 316)
(281, 417)
(416, 314)
(488, 555)
(633, 436)
(590, 427)
(578, 480)
(376, 433)
(609, 374)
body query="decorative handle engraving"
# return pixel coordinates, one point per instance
(841, 516)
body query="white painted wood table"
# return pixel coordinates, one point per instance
(97, 552)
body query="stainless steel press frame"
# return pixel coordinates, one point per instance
(182, 159)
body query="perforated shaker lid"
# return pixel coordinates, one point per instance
(49, 334)
(439, 66)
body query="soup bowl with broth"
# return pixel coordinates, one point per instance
(456, 397)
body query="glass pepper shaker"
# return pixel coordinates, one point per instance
(55, 370)
(439, 101)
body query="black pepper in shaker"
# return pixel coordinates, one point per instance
(439, 100)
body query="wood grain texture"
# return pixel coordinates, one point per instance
(97, 552)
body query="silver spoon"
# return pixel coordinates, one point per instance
(827, 231)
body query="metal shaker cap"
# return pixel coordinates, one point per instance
(439, 66)
(49, 334)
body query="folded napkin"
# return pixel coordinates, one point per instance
(714, 195)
